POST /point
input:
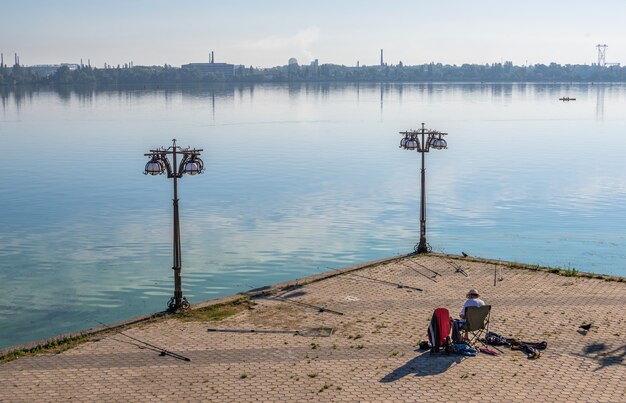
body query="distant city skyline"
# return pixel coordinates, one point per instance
(266, 34)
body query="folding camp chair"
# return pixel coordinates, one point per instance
(476, 322)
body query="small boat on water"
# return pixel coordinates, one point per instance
(567, 99)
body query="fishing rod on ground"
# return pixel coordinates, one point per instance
(457, 269)
(251, 331)
(488, 346)
(310, 332)
(156, 348)
(417, 271)
(398, 285)
(319, 308)
(421, 265)
(283, 299)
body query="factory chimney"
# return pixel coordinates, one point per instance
(1, 60)
(212, 57)
(381, 58)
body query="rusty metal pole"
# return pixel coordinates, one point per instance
(422, 247)
(177, 263)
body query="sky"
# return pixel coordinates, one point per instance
(267, 33)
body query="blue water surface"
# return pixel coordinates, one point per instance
(299, 179)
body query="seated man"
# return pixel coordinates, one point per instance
(472, 300)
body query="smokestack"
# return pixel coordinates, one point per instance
(16, 62)
(1, 59)
(381, 57)
(212, 57)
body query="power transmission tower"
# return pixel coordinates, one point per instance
(601, 55)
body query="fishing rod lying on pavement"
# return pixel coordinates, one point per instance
(152, 346)
(457, 269)
(421, 265)
(387, 282)
(417, 271)
(311, 332)
(319, 308)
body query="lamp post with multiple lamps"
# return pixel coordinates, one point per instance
(190, 164)
(411, 141)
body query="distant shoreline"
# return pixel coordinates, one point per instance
(229, 84)
(227, 73)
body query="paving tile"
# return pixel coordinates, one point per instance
(372, 355)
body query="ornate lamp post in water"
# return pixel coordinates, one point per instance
(191, 164)
(411, 141)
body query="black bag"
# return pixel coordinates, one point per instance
(448, 347)
(456, 332)
(495, 339)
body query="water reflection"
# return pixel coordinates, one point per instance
(599, 102)
(87, 94)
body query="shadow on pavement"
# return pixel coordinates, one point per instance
(424, 364)
(602, 354)
(294, 294)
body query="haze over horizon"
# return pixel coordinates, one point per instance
(157, 32)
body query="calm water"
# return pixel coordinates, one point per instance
(299, 179)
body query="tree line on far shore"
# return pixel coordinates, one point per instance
(432, 72)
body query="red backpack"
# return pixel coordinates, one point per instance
(439, 330)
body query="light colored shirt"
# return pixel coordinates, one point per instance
(471, 302)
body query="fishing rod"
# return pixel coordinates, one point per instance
(497, 274)
(387, 282)
(156, 348)
(417, 271)
(319, 308)
(311, 332)
(490, 346)
(251, 331)
(421, 265)
(457, 269)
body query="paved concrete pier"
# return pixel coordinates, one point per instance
(372, 354)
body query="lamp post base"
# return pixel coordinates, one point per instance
(177, 306)
(422, 247)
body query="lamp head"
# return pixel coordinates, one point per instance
(194, 166)
(155, 166)
(411, 144)
(438, 143)
(409, 141)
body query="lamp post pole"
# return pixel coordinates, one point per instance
(422, 246)
(176, 252)
(190, 164)
(411, 141)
